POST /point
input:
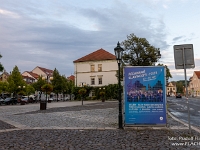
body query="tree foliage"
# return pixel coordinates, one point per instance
(30, 89)
(15, 80)
(3, 87)
(57, 82)
(179, 86)
(168, 74)
(37, 85)
(138, 52)
(1, 66)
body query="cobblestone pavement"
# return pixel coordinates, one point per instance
(91, 126)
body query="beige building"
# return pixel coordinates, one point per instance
(171, 89)
(194, 85)
(42, 71)
(96, 69)
(4, 76)
(30, 77)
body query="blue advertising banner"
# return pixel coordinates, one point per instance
(145, 95)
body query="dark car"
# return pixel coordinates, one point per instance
(10, 100)
(1, 101)
(178, 95)
(25, 99)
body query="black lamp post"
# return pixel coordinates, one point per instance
(21, 87)
(118, 53)
(159, 55)
(43, 104)
(82, 84)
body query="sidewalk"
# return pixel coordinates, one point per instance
(70, 125)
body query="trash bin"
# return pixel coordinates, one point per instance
(43, 105)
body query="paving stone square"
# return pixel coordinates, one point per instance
(94, 125)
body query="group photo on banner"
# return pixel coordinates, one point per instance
(145, 95)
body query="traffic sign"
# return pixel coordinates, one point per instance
(184, 56)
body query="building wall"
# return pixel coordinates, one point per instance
(39, 72)
(194, 86)
(171, 89)
(83, 73)
(4, 77)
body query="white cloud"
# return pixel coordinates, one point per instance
(165, 6)
(9, 13)
(53, 33)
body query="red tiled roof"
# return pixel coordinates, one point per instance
(197, 73)
(36, 76)
(47, 71)
(100, 54)
(72, 77)
(27, 77)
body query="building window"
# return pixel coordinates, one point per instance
(99, 67)
(92, 81)
(100, 80)
(92, 68)
(173, 88)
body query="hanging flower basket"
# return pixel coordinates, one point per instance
(47, 88)
(102, 94)
(21, 93)
(82, 91)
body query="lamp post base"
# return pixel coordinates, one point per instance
(43, 105)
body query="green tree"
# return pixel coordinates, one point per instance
(57, 82)
(112, 91)
(15, 80)
(64, 85)
(1, 66)
(70, 86)
(37, 85)
(168, 74)
(179, 86)
(30, 89)
(3, 87)
(138, 52)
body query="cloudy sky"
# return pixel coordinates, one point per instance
(54, 33)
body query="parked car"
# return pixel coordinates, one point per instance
(65, 98)
(178, 95)
(25, 99)
(1, 101)
(10, 100)
(50, 100)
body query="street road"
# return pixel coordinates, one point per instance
(178, 107)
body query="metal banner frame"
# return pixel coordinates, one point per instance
(145, 96)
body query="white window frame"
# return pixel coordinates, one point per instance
(101, 80)
(93, 81)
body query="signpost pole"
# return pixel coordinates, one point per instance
(184, 58)
(188, 106)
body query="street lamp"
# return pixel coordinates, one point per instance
(21, 93)
(159, 55)
(82, 84)
(102, 93)
(118, 53)
(43, 104)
